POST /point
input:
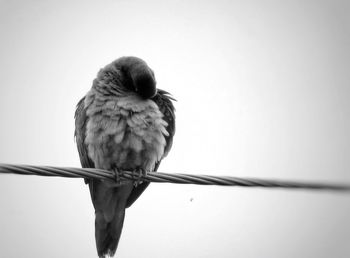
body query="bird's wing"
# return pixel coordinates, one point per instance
(79, 134)
(164, 101)
(81, 120)
(165, 105)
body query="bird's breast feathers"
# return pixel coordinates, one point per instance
(126, 132)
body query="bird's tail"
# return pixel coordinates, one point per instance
(109, 202)
(107, 234)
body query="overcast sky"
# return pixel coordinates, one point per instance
(263, 91)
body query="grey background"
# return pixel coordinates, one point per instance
(262, 89)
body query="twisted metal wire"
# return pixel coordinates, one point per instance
(160, 177)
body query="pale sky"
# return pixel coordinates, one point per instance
(263, 91)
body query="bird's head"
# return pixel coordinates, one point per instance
(139, 77)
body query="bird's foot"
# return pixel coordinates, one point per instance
(118, 180)
(117, 173)
(138, 174)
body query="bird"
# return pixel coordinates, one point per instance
(123, 123)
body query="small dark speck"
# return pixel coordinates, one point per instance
(191, 199)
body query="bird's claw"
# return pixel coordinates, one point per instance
(117, 175)
(138, 174)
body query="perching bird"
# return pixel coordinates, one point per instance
(123, 123)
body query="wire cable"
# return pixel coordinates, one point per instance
(159, 177)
